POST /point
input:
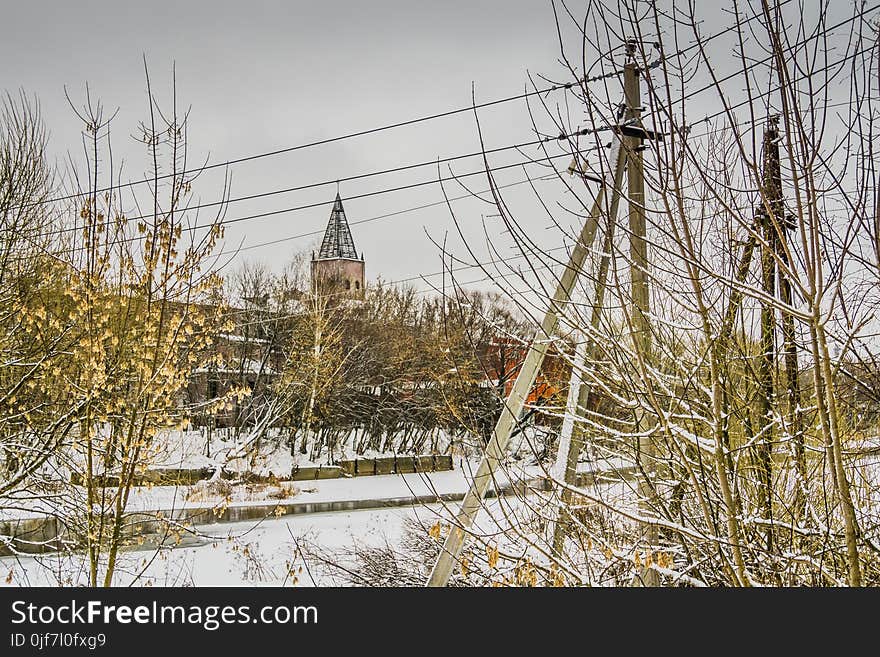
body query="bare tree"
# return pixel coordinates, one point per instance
(31, 340)
(717, 374)
(138, 310)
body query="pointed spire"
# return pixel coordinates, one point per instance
(337, 242)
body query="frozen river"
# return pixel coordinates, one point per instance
(249, 553)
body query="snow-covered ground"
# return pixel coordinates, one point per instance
(267, 551)
(240, 452)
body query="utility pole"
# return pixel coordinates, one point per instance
(510, 412)
(626, 156)
(777, 223)
(769, 216)
(635, 175)
(638, 250)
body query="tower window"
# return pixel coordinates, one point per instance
(357, 285)
(347, 285)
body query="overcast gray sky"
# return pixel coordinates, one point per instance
(263, 75)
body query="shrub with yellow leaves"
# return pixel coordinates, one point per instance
(132, 312)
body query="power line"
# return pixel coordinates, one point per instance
(749, 122)
(388, 215)
(447, 159)
(323, 183)
(261, 215)
(360, 133)
(498, 149)
(350, 135)
(329, 140)
(451, 158)
(380, 217)
(716, 83)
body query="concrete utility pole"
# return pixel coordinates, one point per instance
(638, 251)
(626, 155)
(497, 447)
(571, 438)
(635, 175)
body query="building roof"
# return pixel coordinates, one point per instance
(338, 242)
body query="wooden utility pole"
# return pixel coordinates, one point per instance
(782, 223)
(510, 412)
(771, 217)
(775, 261)
(640, 300)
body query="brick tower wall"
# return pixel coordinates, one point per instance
(338, 275)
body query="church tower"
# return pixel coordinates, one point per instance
(337, 268)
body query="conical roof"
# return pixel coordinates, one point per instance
(338, 242)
